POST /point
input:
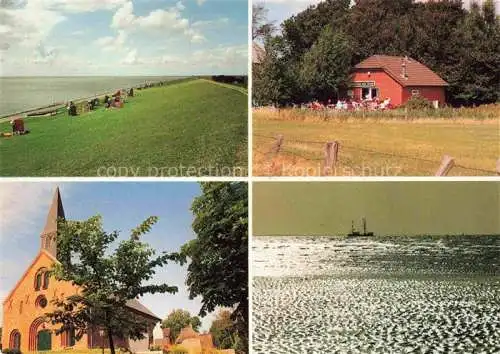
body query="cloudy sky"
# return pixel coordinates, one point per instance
(123, 37)
(24, 207)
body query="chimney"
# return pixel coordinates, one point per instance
(404, 72)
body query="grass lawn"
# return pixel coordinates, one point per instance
(161, 131)
(376, 147)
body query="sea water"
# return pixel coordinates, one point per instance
(383, 295)
(23, 93)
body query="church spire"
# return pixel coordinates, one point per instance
(49, 234)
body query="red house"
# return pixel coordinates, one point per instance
(397, 78)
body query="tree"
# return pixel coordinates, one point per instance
(380, 27)
(301, 31)
(106, 279)
(261, 27)
(179, 319)
(477, 72)
(326, 67)
(224, 332)
(218, 271)
(273, 80)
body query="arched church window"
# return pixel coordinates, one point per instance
(45, 280)
(38, 282)
(15, 340)
(41, 279)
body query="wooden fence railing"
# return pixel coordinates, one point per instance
(331, 157)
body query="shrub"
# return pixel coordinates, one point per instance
(11, 351)
(418, 102)
(178, 349)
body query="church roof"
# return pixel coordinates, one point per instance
(56, 211)
(138, 307)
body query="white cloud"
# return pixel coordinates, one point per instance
(124, 16)
(132, 58)
(163, 21)
(200, 2)
(219, 59)
(21, 202)
(180, 6)
(79, 5)
(110, 43)
(211, 23)
(78, 33)
(44, 54)
(23, 26)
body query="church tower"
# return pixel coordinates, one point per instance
(49, 234)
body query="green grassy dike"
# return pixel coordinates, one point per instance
(189, 128)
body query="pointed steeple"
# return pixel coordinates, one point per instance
(49, 233)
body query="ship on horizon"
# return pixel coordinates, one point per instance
(355, 233)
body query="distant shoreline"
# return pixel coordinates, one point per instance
(57, 105)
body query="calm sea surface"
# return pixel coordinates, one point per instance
(385, 295)
(23, 93)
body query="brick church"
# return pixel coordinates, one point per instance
(24, 307)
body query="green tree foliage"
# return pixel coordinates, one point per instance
(224, 332)
(107, 278)
(462, 46)
(326, 66)
(218, 271)
(380, 27)
(302, 30)
(273, 79)
(179, 319)
(477, 73)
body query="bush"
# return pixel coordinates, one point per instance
(417, 102)
(11, 351)
(178, 349)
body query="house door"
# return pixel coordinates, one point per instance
(44, 340)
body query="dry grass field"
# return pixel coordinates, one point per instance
(393, 143)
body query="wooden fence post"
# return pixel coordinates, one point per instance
(277, 145)
(446, 166)
(331, 156)
(275, 149)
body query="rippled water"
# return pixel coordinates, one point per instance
(393, 294)
(23, 93)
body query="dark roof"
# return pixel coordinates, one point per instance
(138, 307)
(56, 211)
(417, 73)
